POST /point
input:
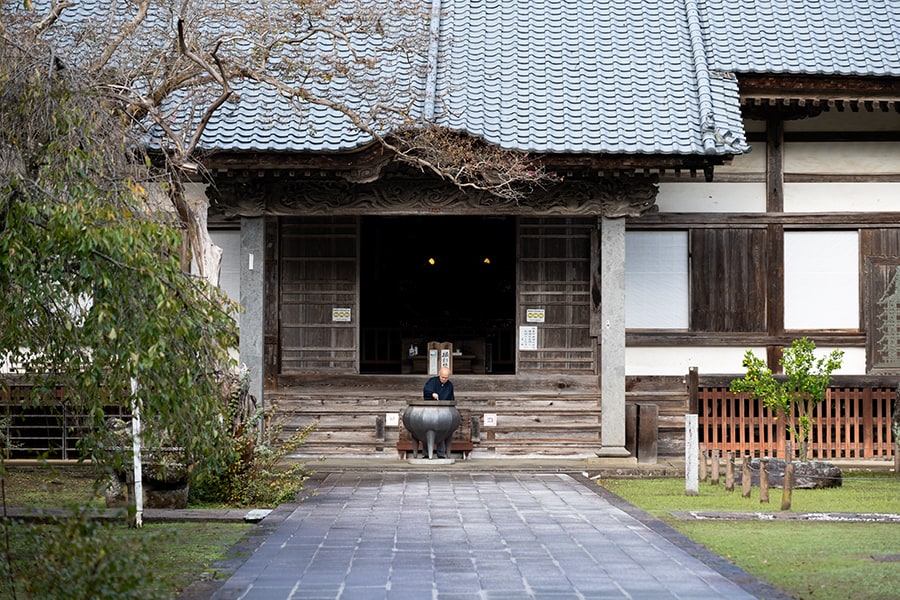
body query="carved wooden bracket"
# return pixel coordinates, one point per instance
(613, 197)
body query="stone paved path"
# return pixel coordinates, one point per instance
(455, 536)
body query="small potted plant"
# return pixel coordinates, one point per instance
(794, 395)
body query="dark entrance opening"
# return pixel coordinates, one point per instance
(437, 278)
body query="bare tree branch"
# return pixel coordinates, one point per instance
(52, 16)
(218, 73)
(126, 32)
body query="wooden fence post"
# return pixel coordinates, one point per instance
(729, 471)
(715, 466)
(764, 480)
(895, 430)
(788, 487)
(703, 466)
(746, 477)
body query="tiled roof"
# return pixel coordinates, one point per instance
(545, 76)
(809, 37)
(650, 77)
(580, 76)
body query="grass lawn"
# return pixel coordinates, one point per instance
(181, 552)
(184, 551)
(810, 560)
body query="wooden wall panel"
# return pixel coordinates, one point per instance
(880, 304)
(272, 344)
(555, 275)
(728, 280)
(318, 273)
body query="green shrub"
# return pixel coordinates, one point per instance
(257, 473)
(794, 395)
(76, 558)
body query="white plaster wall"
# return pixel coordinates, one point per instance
(229, 240)
(842, 197)
(821, 279)
(718, 360)
(839, 121)
(854, 360)
(752, 162)
(678, 360)
(230, 276)
(844, 158)
(697, 196)
(656, 279)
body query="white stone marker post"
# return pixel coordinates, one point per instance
(691, 456)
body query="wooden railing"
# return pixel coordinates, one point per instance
(45, 427)
(852, 422)
(535, 414)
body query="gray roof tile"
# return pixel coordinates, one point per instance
(809, 37)
(589, 76)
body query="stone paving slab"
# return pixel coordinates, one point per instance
(492, 536)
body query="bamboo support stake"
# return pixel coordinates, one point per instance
(764, 480)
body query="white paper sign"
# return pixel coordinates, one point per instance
(527, 337)
(433, 361)
(340, 314)
(535, 315)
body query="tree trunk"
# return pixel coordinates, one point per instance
(193, 206)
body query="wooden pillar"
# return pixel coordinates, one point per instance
(775, 239)
(253, 287)
(612, 338)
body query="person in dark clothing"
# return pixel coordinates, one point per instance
(439, 388)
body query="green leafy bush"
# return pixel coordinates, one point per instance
(77, 558)
(794, 396)
(259, 472)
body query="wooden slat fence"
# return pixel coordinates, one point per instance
(852, 422)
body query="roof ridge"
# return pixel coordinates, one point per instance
(433, 51)
(701, 71)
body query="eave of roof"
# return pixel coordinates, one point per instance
(586, 81)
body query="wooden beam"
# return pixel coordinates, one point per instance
(795, 87)
(876, 220)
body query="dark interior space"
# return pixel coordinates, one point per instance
(437, 278)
